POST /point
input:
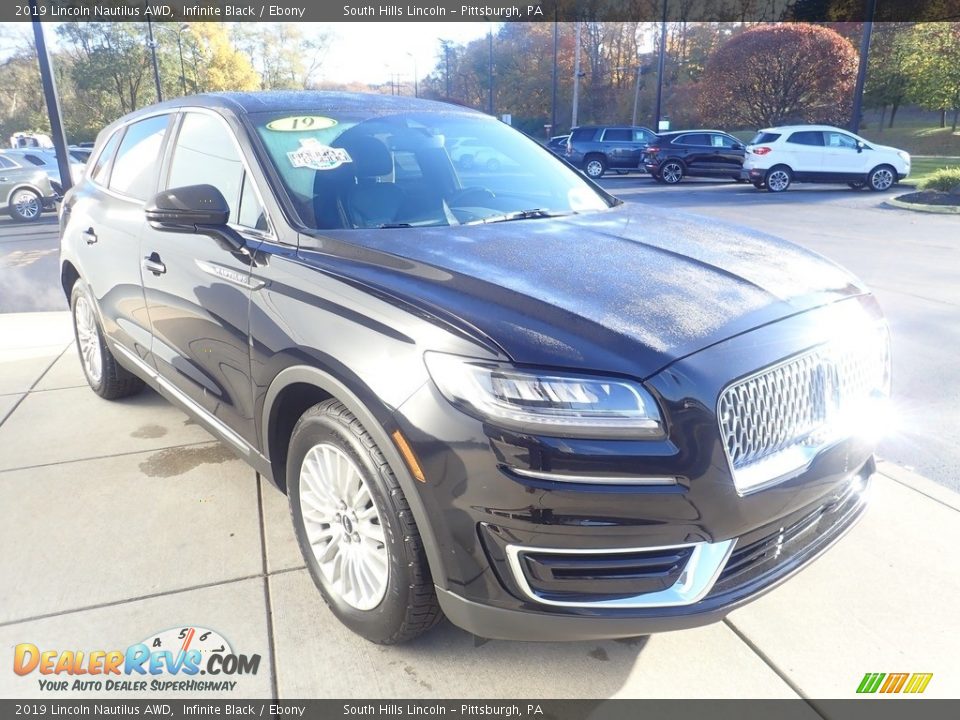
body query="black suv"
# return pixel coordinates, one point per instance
(598, 149)
(506, 396)
(697, 153)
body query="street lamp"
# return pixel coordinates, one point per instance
(152, 44)
(183, 73)
(416, 87)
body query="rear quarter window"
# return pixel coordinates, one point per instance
(100, 169)
(136, 167)
(583, 134)
(763, 137)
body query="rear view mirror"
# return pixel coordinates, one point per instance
(193, 208)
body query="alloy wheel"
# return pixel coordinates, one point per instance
(594, 168)
(778, 180)
(671, 173)
(26, 204)
(343, 527)
(88, 338)
(881, 179)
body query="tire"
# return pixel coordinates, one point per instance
(672, 172)
(493, 165)
(25, 205)
(858, 185)
(339, 485)
(758, 184)
(657, 178)
(882, 177)
(778, 178)
(106, 377)
(466, 162)
(595, 166)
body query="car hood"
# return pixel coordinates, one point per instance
(886, 148)
(626, 290)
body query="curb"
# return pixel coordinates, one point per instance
(916, 207)
(920, 484)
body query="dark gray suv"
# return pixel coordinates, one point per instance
(596, 149)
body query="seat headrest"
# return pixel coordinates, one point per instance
(370, 155)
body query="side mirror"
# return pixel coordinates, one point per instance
(739, 146)
(860, 146)
(188, 209)
(199, 209)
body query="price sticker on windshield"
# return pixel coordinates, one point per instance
(301, 123)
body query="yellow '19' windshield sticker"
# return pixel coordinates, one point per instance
(301, 123)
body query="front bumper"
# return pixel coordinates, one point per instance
(759, 563)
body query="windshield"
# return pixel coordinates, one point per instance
(417, 170)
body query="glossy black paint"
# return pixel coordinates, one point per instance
(253, 335)
(721, 156)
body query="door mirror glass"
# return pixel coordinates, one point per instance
(189, 209)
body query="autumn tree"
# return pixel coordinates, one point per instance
(887, 78)
(773, 74)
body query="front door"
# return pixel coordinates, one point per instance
(842, 157)
(198, 290)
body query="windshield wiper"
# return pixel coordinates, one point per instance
(519, 215)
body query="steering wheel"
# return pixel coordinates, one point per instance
(471, 196)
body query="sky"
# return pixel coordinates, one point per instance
(365, 52)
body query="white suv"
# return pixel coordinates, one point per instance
(821, 153)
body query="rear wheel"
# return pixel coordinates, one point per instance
(106, 377)
(595, 166)
(355, 528)
(881, 178)
(493, 165)
(778, 178)
(672, 172)
(25, 205)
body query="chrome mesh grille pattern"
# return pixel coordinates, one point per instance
(796, 403)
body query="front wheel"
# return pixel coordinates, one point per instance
(106, 377)
(778, 178)
(25, 205)
(355, 528)
(881, 178)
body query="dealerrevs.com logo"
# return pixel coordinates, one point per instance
(169, 661)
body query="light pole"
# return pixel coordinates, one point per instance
(576, 78)
(152, 44)
(446, 66)
(183, 73)
(862, 68)
(490, 73)
(636, 95)
(553, 90)
(416, 86)
(660, 64)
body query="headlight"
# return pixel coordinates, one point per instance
(546, 403)
(905, 156)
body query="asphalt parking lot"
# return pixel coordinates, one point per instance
(121, 520)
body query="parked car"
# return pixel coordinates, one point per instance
(597, 149)
(472, 154)
(671, 156)
(558, 144)
(79, 154)
(516, 400)
(25, 191)
(778, 156)
(46, 160)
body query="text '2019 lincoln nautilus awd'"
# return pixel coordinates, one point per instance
(495, 394)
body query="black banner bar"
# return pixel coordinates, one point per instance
(877, 708)
(476, 10)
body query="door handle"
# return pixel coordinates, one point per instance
(154, 265)
(89, 235)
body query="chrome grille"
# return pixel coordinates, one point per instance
(789, 411)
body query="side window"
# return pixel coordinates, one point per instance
(138, 157)
(34, 160)
(807, 137)
(723, 141)
(583, 134)
(5, 164)
(694, 139)
(206, 155)
(99, 172)
(841, 140)
(642, 136)
(618, 135)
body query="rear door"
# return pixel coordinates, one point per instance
(199, 299)
(726, 153)
(805, 153)
(105, 218)
(618, 145)
(697, 153)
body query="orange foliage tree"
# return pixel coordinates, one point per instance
(775, 74)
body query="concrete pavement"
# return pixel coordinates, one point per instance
(121, 520)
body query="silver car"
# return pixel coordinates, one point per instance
(26, 191)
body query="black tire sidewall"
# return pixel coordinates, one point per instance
(683, 172)
(873, 172)
(383, 621)
(774, 169)
(19, 218)
(603, 166)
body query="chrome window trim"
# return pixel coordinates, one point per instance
(662, 480)
(696, 580)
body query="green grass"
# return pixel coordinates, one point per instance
(917, 140)
(923, 167)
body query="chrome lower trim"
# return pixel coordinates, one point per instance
(595, 479)
(701, 572)
(215, 424)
